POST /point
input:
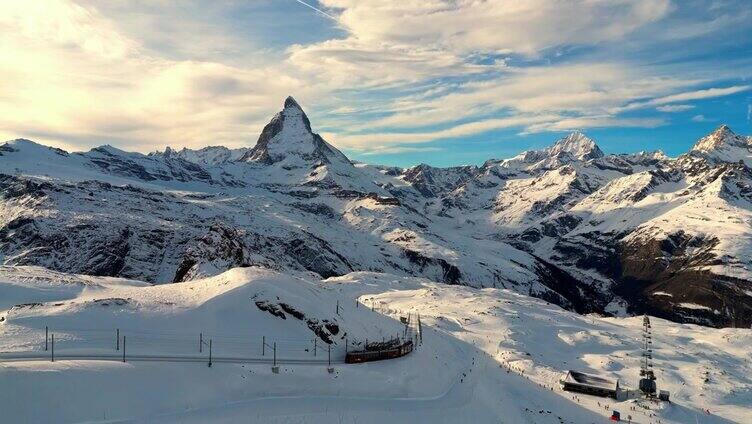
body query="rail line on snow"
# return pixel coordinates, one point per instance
(4, 357)
(168, 346)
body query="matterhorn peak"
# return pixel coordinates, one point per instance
(578, 145)
(291, 103)
(294, 116)
(287, 136)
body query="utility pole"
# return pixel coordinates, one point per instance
(117, 338)
(263, 345)
(200, 342)
(210, 352)
(275, 368)
(123, 348)
(53, 347)
(329, 368)
(314, 346)
(46, 336)
(420, 330)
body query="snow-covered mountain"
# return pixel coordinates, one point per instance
(724, 146)
(207, 156)
(591, 232)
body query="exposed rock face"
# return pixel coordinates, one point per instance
(430, 181)
(220, 248)
(288, 137)
(569, 224)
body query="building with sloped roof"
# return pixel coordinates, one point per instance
(595, 385)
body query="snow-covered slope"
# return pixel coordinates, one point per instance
(568, 223)
(703, 370)
(487, 355)
(441, 381)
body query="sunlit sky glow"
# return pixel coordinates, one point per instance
(387, 81)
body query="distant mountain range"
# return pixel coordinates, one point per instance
(615, 234)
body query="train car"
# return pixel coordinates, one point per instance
(360, 356)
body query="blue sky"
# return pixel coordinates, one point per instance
(396, 82)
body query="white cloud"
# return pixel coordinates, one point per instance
(700, 118)
(379, 141)
(582, 89)
(350, 62)
(76, 80)
(63, 24)
(685, 96)
(674, 108)
(569, 124)
(401, 42)
(466, 26)
(702, 94)
(394, 150)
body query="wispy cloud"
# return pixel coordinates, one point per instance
(674, 108)
(396, 150)
(569, 124)
(686, 96)
(377, 141)
(702, 94)
(467, 26)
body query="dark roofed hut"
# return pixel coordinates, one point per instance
(576, 381)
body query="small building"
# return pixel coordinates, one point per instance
(576, 381)
(664, 395)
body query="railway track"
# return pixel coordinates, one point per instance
(10, 357)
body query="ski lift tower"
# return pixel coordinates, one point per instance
(647, 377)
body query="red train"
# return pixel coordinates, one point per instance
(359, 356)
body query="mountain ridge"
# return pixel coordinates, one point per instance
(588, 231)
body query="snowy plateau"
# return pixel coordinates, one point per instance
(519, 269)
